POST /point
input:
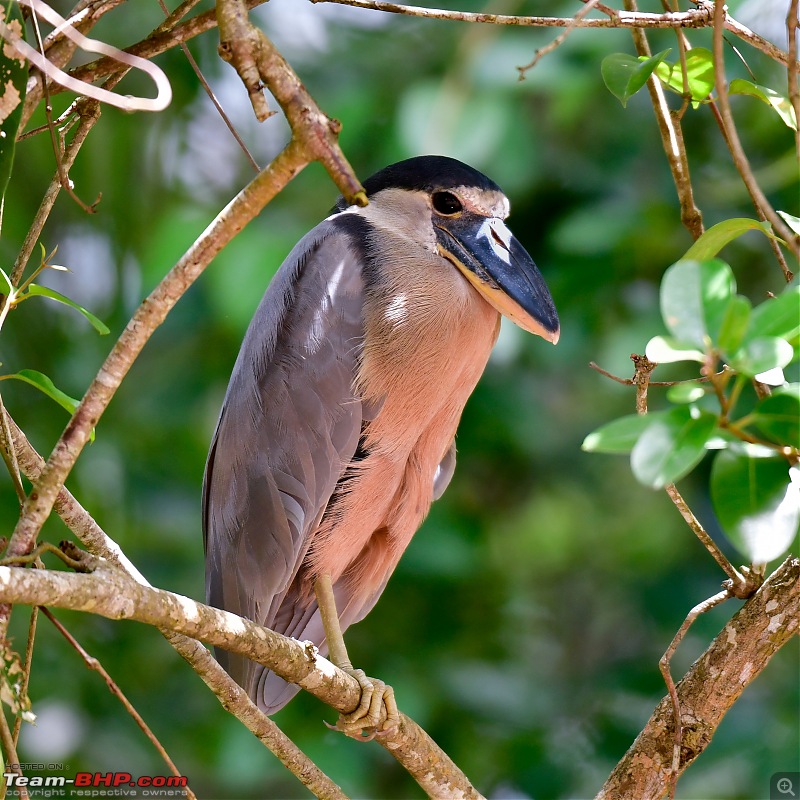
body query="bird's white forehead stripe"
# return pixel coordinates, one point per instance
(495, 229)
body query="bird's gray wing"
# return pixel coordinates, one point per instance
(289, 425)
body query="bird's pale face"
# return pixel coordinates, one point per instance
(465, 225)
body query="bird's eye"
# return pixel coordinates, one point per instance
(446, 203)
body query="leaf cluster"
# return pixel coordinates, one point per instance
(755, 480)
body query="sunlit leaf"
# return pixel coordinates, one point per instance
(778, 416)
(618, 436)
(43, 291)
(699, 75)
(771, 377)
(667, 350)
(792, 221)
(757, 501)
(671, 446)
(694, 298)
(717, 236)
(5, 283)
(624, 75)
(781, 104)
(778, 316)
(762, 354)
(685, 393)
(44, 384)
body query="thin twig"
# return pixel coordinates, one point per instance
(792, 26)
(740, 160)
(664, 666)
(12, 762)
(89, 113)
(671, 139)
(641, 380)
(210, 92)
(63, 177)
(37, 552)
(26, 667)
(560, 39)
(632, 382)
(740, 584)
(9, 452)
(94, 664)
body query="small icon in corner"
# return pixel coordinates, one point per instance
(784, 785)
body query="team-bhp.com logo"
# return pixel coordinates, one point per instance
(87, 783)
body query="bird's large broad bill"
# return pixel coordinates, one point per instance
(499, 267)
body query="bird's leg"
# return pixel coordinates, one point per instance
(374, 693)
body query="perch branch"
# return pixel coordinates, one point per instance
(109, 592)
(712, 685)
(230, 695)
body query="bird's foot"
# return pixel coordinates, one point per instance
(364, 723)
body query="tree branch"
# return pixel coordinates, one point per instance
(695, 18)
(161, 40)
(230, 695)
(712, 685)
(109, 592)
(150, 314)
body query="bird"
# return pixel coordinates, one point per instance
(337, 430)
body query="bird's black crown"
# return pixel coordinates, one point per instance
(427, 174)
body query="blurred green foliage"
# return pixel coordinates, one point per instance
(523, 626)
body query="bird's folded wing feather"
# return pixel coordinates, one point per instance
(289, 425)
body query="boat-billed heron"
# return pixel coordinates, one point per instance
(338, 428)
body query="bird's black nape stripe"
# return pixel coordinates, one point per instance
(425, 173)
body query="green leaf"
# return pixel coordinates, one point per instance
(42, 291)
(694, 298)
(13, 80)
(734, 324)
(778, 316)
(778, 416)
(757, 501)
(769, 96)
(685, 393)
(617, 436)
(624, 75)
(671, 446)
(699, 75)
(667, 350)
(717, 236)
(44, 384)
(762, 354)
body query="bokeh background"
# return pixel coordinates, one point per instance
(524, 625)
